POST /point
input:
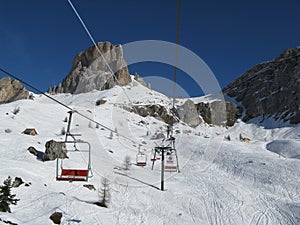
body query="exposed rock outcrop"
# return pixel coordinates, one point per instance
(90, 72)
(33, 151)
(139, 79)
(56, 217)
(30, 131)
(157, 111)
(17, 182)
(218, 112)
(12, 90)
(270, 89)
(55, 150)
(188, 113)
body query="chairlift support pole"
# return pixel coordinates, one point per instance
(66, 139)
(69, 124)
(154, 158)
(162, 168)
(162, 150)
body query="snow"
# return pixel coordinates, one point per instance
(271, 123)
(220, 181)
(265, 69)
(286, 148)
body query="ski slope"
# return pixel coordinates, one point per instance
(220, 181)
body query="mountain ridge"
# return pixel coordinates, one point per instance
(267, 90)
(270, 89)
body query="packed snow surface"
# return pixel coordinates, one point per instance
(220, 181)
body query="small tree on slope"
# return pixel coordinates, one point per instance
(104, 194)
(6, 198)
(127, 162)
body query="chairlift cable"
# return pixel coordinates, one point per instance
(64, 105)
(102, 56)
(36, 89)
(176, 56)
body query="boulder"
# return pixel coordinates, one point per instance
(17, 182)
(56, 217)
(33, 151)
(188, 113)
(30, 131)
(55, 150)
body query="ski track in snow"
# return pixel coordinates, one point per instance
(221, 182)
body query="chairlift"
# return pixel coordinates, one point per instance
(77, 167)
(141, 159)
(171, 164)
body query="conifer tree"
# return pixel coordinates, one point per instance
(6, 198)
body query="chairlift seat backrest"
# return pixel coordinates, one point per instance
(141, 159)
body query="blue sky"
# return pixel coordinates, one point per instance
(39, 39)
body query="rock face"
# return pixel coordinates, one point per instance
(157, 111)
(90, 72)
(55, 150)
(139, 79)
(188, 114)
(218, 112)
(11, 90)
(270, 89)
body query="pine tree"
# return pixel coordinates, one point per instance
(6, 198)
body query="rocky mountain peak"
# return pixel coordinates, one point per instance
(89, 71)
(12, 90)
(289, 53)
(270, 89)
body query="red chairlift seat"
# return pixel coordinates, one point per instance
(141, 159)
(73, 175)
(170, 164)
(64, 173)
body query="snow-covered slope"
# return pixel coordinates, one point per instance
(220, 181)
